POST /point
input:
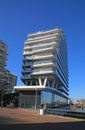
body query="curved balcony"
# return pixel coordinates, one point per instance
(34, 46)
(41, 40)
(42, 65)
(45, 71)
(27, 65)
(25, 78)
(39, 36)
(26, 71)
(42, 57)
(41, 50)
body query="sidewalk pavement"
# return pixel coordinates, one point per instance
(15, 119)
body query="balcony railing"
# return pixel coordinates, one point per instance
(44, 54)
(26, 71)
(43, 36)
(41, 62)
(26, 77)
(41, 40)
(48, 49)
(43, 70)
(27, 64)
(40, 45)
(44, 49)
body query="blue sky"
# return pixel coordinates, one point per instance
(18, 18)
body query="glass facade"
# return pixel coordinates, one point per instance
(30, 99)
(52, 99)
(34, 99)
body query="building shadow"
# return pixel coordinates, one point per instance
(80, 125)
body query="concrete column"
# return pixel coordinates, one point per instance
(45, 80)
(36, 99)
(20, 100)
(40, 83)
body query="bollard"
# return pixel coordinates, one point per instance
(41, 111)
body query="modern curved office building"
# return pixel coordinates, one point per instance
(45, 70)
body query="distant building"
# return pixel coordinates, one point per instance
(45, 70)
(3, 62)
(7, 79)
(3, 54)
